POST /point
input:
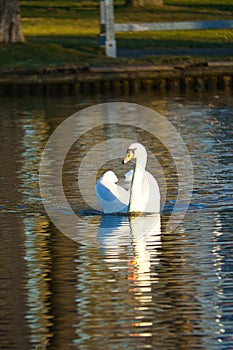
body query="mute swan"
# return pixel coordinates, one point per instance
(143, 194)
(144, 191)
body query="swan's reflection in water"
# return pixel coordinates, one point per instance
(138, 240)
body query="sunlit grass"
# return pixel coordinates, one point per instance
(60, 27)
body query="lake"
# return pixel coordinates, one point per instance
(116, 282)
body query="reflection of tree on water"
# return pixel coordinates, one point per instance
(12, 263)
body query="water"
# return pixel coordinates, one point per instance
(124, 289)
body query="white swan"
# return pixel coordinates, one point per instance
(144, 191)
(143, 195)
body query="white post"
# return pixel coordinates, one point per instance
(110, 44)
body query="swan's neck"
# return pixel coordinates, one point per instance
(136, 194)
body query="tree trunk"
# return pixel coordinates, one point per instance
(135, 3)
(10, 22)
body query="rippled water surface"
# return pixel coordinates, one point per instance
(124, 289)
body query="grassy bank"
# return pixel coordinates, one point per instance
(61, 33)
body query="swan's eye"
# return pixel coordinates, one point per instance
(130, 153)
(131, 150)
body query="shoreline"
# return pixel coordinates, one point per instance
(154, 76)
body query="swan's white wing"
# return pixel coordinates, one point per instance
(111, 197)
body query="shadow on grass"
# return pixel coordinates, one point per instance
(86, 44)
(179, 42)
(28, 56)
(60, 13)
(216, 6)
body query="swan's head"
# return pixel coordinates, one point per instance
(134, 151)
(108, 177)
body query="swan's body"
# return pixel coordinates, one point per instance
(143, 194)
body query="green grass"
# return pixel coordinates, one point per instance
(61, 33)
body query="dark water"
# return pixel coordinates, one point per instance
(124, 290)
